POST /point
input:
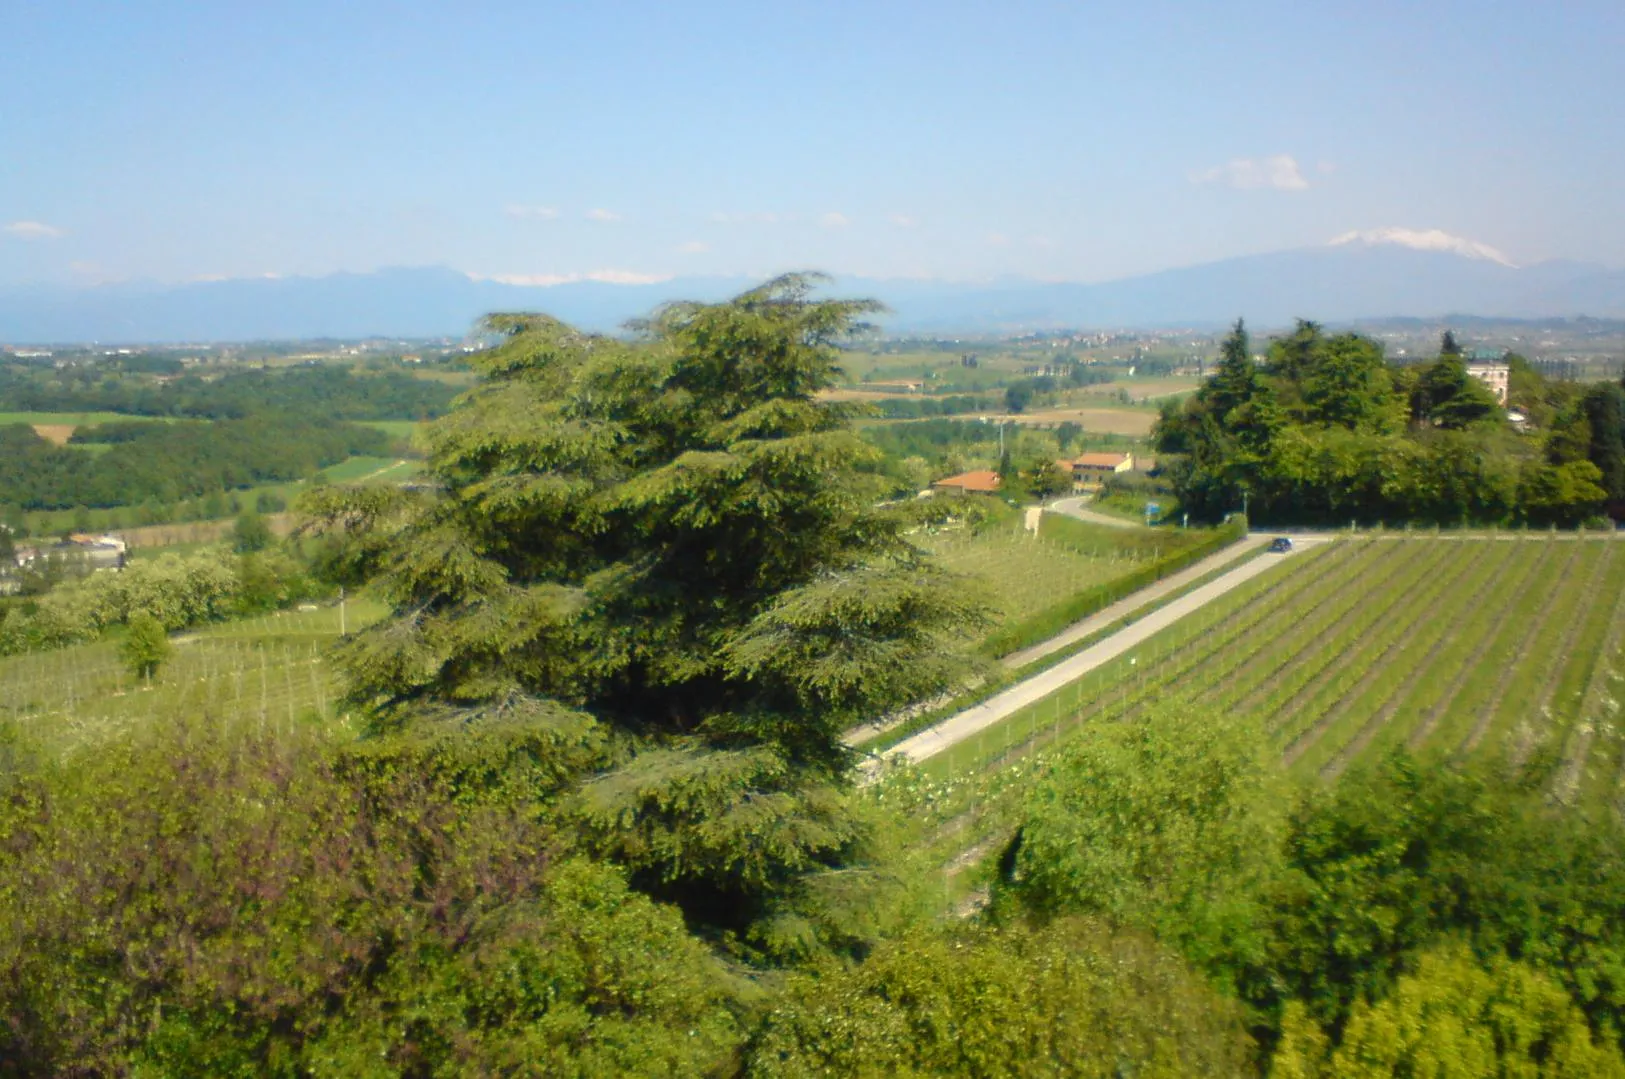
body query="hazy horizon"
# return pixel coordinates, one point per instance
(944, 142)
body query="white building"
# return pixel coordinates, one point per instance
(1494, 375)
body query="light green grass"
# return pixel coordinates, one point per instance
(1020, 575)
(272, 671)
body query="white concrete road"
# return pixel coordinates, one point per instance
(969, 723)
(1134, 601)
(1074, 506)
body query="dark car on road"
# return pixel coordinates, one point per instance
(1279, 544)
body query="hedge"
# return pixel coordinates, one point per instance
(1048, 623)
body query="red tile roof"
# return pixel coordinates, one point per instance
(983, 481)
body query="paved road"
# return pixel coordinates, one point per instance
(1074, 507)
(967, 724)
(1134, 601)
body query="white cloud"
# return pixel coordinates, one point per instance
(603, 215)
(833, 220)
(1423, 240)
(33, 230)
(904, 221)
(998, 239)
(1280, 172)
(547, 280)
(531, 213)
(694, 247)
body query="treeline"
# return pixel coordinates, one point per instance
(913, 408)
(178, 592)
(1327, 431)
(165, 462)
(1411, 913)
(313, 391)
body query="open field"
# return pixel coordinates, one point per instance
(270, 671)
(1137, 388)
(1112, 421)
(372, 470)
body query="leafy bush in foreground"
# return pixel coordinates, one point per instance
(187, 905)
(1073, 999)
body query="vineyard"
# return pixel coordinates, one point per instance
(1021, 575)
(1472, 646)
(1490, 647)
(270, 673)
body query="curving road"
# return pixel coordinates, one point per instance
(1073, 506)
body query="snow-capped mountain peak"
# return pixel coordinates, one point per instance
(1424, 240)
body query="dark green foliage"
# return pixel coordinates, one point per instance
(1319, 435)
(676, 536)
(1603, 408)
(316, 392)
(1046, 480)
(196, 904)
(910, 408)
(1018, 396)
(1401, 856)
(269, 502)
(1073, 999)
(1447, 396)
(1174, 824)
(169, 461)
(251, 533)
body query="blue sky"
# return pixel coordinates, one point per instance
(1075, 141)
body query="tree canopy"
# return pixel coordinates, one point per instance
(677, 537)
(1327, 430)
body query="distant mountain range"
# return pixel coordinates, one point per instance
(1387, 273)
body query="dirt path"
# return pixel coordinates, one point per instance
(967, 724)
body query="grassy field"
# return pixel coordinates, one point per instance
(373, 470)
(263, 671)
(1022, 576)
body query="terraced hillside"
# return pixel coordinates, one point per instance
(1497, 645)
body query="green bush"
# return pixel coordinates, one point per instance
(1072, 999)
(196, 904)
